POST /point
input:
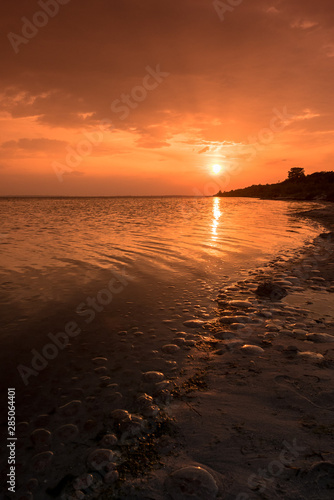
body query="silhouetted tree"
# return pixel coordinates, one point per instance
(296, 174)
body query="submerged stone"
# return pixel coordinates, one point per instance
(192, 483)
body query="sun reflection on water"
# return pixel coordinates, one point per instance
(216, 216)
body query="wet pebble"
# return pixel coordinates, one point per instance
(320, 337)
(22, 428)
(243, 304)
(192, 483)
(228, 320)
(41, 462)
(100, 370)
(70, 409)
(100, 458)
(41, 438)
(32, 484)
(67, 432)
(83, 482)
(170, 348)
(299, 333)
(193, 323)
(251, 349)
(311, 356)
(111, 477)
(99, 360)
(153, 377)
(109, 440)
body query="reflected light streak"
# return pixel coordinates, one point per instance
(216, 215)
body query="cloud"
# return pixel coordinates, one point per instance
(41, 144)
(225, 78)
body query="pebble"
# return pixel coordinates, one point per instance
(153, 377)
(70, 409)
(170, 348)
(312, 356)
(83, 482)
(67, 432)
(120, 415)
(252, 349)
(99, 360)
(42, 461)
(228, 320)
(299, 333)
(179, 341)
(240, 303)
(193, 323)
(111, 477)
(41, 438)
(100, 370)
(237, 326)
(320, 337)
(192, 483)
(264, 314)
(98, 459)
(32, 484)
(22, 428)
(109, 440)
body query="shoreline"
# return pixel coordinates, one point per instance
(258, 421)
(268, 401)
(205, 423)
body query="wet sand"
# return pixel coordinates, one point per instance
(203, 416)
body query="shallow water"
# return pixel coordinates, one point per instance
(58, 256)
(52, 248)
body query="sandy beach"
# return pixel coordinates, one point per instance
(237, 406)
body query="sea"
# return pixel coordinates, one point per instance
(112, 264)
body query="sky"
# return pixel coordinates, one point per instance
(144, 97)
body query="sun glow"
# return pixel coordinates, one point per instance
(216, 169)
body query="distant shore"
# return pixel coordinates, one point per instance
(318, 186)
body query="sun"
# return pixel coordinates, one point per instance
(216, 169)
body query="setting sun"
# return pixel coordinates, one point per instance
(216, 169)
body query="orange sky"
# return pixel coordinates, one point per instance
(143, 96)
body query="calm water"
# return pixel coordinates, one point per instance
(58, 254)
(51, 246)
